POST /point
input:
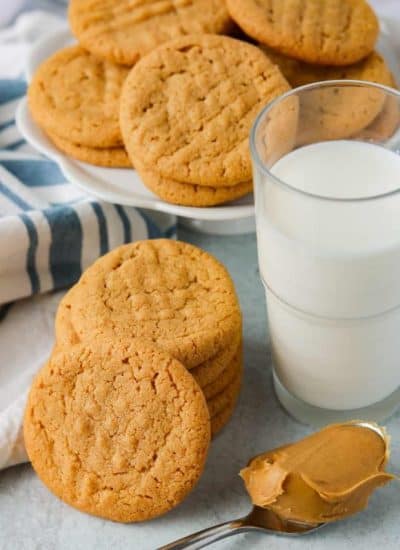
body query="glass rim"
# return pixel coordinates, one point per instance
(314, 85)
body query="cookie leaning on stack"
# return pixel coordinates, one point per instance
(172, 294)
(186, 112)
(74, 98)
(118, 431)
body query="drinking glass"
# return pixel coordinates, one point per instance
(326, 171)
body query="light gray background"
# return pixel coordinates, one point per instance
(32, 519)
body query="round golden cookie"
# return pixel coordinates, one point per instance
(228, 395)
(386, 123)
(188, 106)
(122, 31)
(324, 32)
(75, 96)
(226, 377)
(372, 68)
(187, 194)
(121, 433)
(220, 420)
(113, 157)
(169, 292)
(337, 112)
(210, 370)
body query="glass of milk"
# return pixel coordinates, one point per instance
(326, 161)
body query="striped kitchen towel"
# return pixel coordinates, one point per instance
(50, 230)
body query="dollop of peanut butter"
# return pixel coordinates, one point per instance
(324, 477)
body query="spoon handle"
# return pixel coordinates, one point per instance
(208, 536)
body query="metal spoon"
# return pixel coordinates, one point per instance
(259, 519)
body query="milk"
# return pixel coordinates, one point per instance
(329, 255)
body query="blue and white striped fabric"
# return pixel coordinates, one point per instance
(49, 229)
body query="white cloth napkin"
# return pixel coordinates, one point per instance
(26, 338)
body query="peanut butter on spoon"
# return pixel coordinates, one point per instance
(322, 478)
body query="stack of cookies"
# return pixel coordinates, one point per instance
(74, 98)
(147, 367)
(170, 293)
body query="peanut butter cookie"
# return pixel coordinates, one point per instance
(188, 194)
(337, 112)
(372, 68)
(324, 32)
(75, 96)
(188, 106)
(112, 157)
(386, 123)
(122, 31)
(118, 432)
(169, 292)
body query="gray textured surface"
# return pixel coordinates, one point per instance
(32, 519)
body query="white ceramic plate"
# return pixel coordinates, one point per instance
(121, 186)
